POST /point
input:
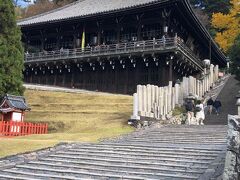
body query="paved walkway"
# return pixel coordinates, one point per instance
(228, 98)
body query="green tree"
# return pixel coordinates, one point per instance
(212, 6)
(234, 54)
(11, 51)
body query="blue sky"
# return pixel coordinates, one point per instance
(23, 4)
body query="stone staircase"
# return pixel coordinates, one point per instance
(227, 96)
(166, 152)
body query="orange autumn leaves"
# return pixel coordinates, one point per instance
(227, 26)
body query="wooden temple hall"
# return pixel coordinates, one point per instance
(114, 45)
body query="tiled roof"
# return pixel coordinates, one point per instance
(84, 8)
(15, 102)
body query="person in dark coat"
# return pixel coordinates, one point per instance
(210, 105)
(217, 105)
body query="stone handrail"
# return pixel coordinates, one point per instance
(232, 162)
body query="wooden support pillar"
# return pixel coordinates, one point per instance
(31, 78)
(64, 78)
(42, 43)
(116, 70)
(139, 26)
(42, 39)
(55, 79)
(74, 40)
(72, 78)
(126, 81)
(99, 36)
(118, 33)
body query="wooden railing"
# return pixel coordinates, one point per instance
(10, 128)
(161, 45)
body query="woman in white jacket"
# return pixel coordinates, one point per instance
(200, 115)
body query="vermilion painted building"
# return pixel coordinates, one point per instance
(12, 108)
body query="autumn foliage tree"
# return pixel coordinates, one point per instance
(227, 26)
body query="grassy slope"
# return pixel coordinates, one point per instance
(71, 117)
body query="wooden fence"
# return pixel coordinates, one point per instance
(22, 128)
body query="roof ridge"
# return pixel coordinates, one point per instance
(51, 11)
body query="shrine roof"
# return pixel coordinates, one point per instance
(85, 8)
(14, 102)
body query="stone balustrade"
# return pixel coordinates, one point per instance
(156, 102)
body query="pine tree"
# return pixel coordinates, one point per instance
(11, 51)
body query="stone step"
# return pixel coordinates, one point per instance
(129, 168)
(146, 148)
(110, 158)
(189, 136)
(177, 142)
(180, 139)
(125, 163)
(53, 173)
(77, 172)
(220, 147)
(6, 175)
(142, 155)
(161, 153)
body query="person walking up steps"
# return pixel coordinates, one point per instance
(210, 105)
(217, 105)
(200, 115)
(190, 111)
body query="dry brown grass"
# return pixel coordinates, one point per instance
(71, 117)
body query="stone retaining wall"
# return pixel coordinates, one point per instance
(232, 162)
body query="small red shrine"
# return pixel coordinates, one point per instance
(12, 108)
(12, 111)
